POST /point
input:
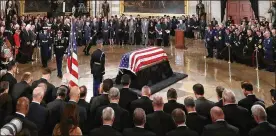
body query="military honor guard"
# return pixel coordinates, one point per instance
(60, 46)
(87, 37)
(45, 46)
(209, 41)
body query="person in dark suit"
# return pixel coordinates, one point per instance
(264, 128)
(126, 95)
(74, 98)
(108, 117)
(271, 110)
(236, 115)
(23, 88)
(144, 102)
(22, 108)
(219, 90)
(203, 105)
(250, 99)
(159, 122)
(56, 108)
(6, 104)
(37, 113)
(179, 118)
(46, 74)
(9, 76)
(122, 119)
(172, 102)
(139, 121)
(82, 102)
(219, 127)
(194, 121)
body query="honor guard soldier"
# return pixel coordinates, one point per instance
(60, 46)
(97, 64)
(45, 46)
(87, 37)
(209, 41)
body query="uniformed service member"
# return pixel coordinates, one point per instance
(60, 46)
(45, 46)
(97, 64)
(268, 51)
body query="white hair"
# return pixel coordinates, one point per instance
(259, 111)
(114, 93)
(228, 96)
(108, 114)
(38, 92)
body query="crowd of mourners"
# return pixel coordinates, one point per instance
(45, 109)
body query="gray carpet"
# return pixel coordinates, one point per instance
(161, 85)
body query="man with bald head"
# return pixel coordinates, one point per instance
(37, 113)
(22, 109)
(139, 121)
(159, 122)
(219, 127)
(74, 99)
(144, 102)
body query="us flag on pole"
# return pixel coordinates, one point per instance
(72, 59)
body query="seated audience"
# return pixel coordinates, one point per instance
(108, 117)
(203, 106)
(219, 127)
(179, 118)
(126, 95)
(159, 122)
(82, 102)
(23, 89)
(9, 76)
(172, 102)
(250, 98)
(219, 91)
(56, 108)
(46, 74)
(144, 102)
(74, 99)
(236, 115)
(139, 121)
(22, 109)
(194, 121)
(271, 110)
(69, 122)
(6, 104)
(37, 113)
(122, 119)
(264, 128)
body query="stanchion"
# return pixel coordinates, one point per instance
(229, 53)
(256, 57)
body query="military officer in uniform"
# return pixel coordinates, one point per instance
(228, 45)
(87, 37)
(45, 46)
(209, 41)
(249, 48)
(60, 46)
(97, 64)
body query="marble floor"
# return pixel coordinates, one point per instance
(209, 72)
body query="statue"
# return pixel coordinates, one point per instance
(105, 9)
(272, 10)
(200, 9)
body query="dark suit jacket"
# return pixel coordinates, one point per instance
(6, 107)
(196, 122)
(144, 102)
(219, 103)
(220, 128)
(50, 88)
(171, 105)
(27, 124)
(97, 102)
(84, 104)
(238, 117)
(182, 131)
(126, 97)
(203, 107)
(56, 109)
(248, 102)
(271, 114)
(21, 89)
(121, 120)
(160, 123)
(136, 131)
(263, 129)
(83, 117)
(104, 131)
(38, 115)
(9, 77)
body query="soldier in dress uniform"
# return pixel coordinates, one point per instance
(45, 46)
(268, 51)
(249, 48)
(87, 37)
(229, 21)
(60, 46)
(209, 41)
(97, 65)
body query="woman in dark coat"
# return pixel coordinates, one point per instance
(151, 33)
(138, 34)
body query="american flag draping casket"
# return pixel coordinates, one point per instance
(136, 60)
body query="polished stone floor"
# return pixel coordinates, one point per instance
(209, 72)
